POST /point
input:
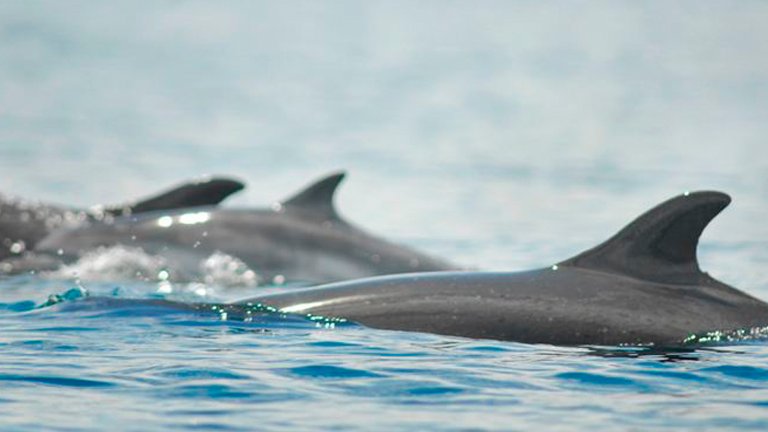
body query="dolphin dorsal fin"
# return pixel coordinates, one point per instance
(207, 191)
(317, 198)
(660, 245)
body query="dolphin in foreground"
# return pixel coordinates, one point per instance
(301, 239)
(24, 223)
(643, 286)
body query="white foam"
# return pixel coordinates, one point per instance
(115, 263)
(226, 270)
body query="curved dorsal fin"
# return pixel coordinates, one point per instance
(317, 198)
(660, 245)
(210, 191)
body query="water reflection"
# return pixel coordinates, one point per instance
(669, 354)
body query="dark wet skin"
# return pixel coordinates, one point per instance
(643, 286)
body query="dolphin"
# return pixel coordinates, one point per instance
(24, 223)
(301, 239)
(643, 286)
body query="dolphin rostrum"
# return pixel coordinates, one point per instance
(24, 223)
(301, 239)
(643, 286)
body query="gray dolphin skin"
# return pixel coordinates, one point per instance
(641, 287)
(301, 239)
(24, 223)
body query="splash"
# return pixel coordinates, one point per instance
(728, 337)
(247, 312)
(226, 270)
(70, 295)
(131, 263)
(115, 263)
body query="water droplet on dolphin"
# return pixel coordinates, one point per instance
(194, 218)
(18, 247)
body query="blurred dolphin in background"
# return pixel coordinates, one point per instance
(301, 239)
(24, 223)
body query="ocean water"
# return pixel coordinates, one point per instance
(500, 135)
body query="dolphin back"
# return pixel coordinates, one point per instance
(23, 223)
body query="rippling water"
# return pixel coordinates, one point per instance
(83, 364)
(500, 135)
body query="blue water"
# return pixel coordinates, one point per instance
(501, 135)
